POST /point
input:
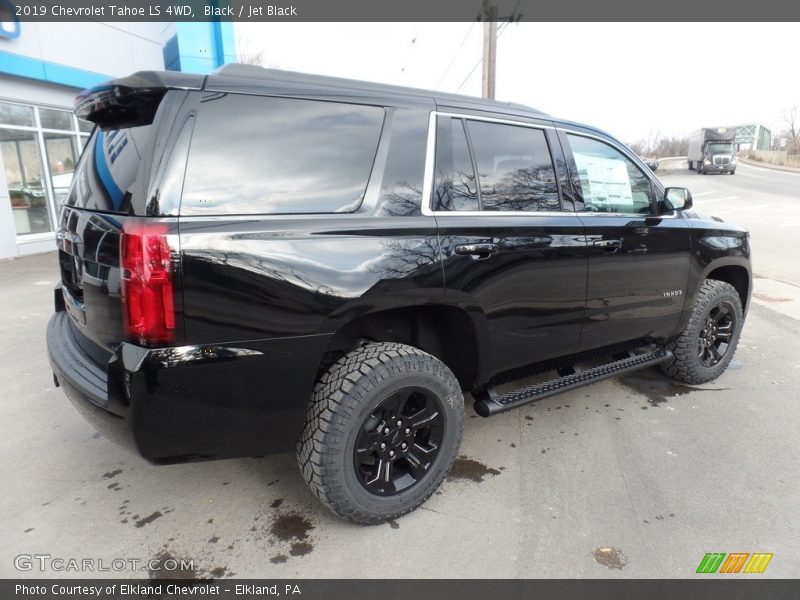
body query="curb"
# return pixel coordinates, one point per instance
(671, 164)
(766, 165)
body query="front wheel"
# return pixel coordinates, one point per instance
(706, 346)
(383, 428)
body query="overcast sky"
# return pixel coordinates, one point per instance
(631, 79)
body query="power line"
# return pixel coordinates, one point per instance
(480, 60)
(452, 60)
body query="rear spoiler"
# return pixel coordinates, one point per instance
(131, 101)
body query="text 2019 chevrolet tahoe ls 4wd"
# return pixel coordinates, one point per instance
(256, 260)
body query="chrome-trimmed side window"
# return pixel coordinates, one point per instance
(609, 181)
(455, 186)
(484, 166)
(515, 168)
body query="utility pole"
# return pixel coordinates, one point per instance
(489, 17)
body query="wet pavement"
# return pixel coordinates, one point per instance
(633, 477)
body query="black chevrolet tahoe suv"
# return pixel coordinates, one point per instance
(257, 260)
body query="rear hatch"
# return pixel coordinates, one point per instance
(117, 249)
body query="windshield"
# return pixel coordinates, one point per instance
(720, 148)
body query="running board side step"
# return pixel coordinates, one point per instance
(491, 403)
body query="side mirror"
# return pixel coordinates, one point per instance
(677, 198)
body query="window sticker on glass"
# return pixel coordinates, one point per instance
(605, 182)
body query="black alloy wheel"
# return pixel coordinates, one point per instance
(716, 334)
(399, 441)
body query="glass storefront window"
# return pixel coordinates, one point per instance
(39, 163)
(16, 114)
(85, 126)
(25, 180)
(61, 159)
(55, 119)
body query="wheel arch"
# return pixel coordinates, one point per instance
(447, 332)
(736, 275)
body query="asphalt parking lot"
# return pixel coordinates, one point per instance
(656, 472)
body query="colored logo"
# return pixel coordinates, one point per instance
(735, 562)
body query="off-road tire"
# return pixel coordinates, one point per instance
(685, 364)
(345, 395)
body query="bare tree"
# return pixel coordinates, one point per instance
(246, 53)
(653, 140)
(639, 147)
(790, 117)
(659, 146)
(671, 146)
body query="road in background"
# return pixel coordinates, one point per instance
(766, 201)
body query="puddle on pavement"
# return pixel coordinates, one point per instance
(290, 526)
(278, 559)
(658, 390)
(148, 519)
(300, 548)
(472, 470)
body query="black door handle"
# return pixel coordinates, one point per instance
(476, 251)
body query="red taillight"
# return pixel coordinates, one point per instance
(147, 283)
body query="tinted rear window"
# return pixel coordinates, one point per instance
(456, 188)
(261, 155)
(514, 167)
(108, 169)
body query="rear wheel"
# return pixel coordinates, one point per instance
(691, 166)
(383, 428)
(706, 346)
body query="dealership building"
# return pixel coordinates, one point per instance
(42, 67)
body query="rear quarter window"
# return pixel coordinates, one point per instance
(262, 155)
(108, 168)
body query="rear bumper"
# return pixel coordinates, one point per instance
(190, 402)
(85, 383)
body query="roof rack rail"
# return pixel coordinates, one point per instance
(279, 75)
